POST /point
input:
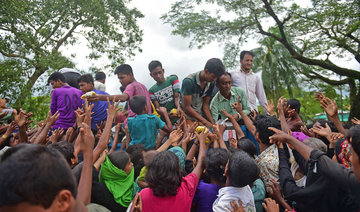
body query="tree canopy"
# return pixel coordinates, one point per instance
(313, 34)
(32, 34)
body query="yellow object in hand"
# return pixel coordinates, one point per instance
(88, 94)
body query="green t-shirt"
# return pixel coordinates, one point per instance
(164, 93)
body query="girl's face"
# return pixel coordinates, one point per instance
(128, 167)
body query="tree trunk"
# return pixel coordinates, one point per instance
(354, 100)
(26, 90)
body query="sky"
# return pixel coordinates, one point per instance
(158, 44)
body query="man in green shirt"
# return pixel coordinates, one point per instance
(226, 96)
(165, 93)
(196, 92)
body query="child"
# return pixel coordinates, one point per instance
(114, 191)
(143, 127)
(206, 192)
(240, 172)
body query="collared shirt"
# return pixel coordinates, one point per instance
(252, 85)
(191, 86)
(219, 103)
(230, 193)
(268, 162)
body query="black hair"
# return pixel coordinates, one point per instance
(119, 159)
(215, 66)
(153, 64)
(262, 123)
(164, 174)
(136, 156)
(294, 104)
(243, 53)
(189, 166)
(242, 169)
(247, 146)
(65, 148)
(354, 134)
(215, 163)
(137, 104)
(124, 69)
(100, 75)
(86, 78)
(225, 73)
(34, 174)
(56, 76)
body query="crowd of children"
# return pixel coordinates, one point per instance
(176, 150)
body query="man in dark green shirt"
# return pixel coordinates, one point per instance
(196, 92)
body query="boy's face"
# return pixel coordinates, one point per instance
(125, 79)
(56, 84)
(128, 167)
(210, 77)
(86, 86)
(158, 74)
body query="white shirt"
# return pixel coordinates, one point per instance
(99, 85)
(252, 85)
(230, 193)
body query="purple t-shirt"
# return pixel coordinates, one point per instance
(136, 88)
(205, 196)
(65, 100)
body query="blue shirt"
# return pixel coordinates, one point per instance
(143, 128)
(99, 110)
(205, 196)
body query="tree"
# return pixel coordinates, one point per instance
(277, 68)
(32, 34)
(313, 35)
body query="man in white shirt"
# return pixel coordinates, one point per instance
(246, 79)
(99, 82)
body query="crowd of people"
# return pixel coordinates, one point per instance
(203, 145)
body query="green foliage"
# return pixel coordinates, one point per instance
(39, 106)
(33, 34)
(312, 35)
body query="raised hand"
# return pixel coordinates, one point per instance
(270, 107)
(253, 114)
(3, 114)
(355, 121)
(10, 129)
(329, 106)
(219, 129)
(319, 96)
(233, 142)
(322, 131)
(51, 119)
(161, 110)
(56, 135)
(175, 136)
(86, 139)
(279, 136)
(112, 108)
(20, 119)
(203, 135)
(237, 105)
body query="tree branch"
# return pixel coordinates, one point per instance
(67, 35)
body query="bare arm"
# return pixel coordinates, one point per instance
(116, 138)
(198, 168)
(86, 140)
(191, 112)
(105, 136)
(173, 138)
(239, 132)
(168, 126)
(101, 97)
(206, 109)
(41, 138)
(248, 123)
